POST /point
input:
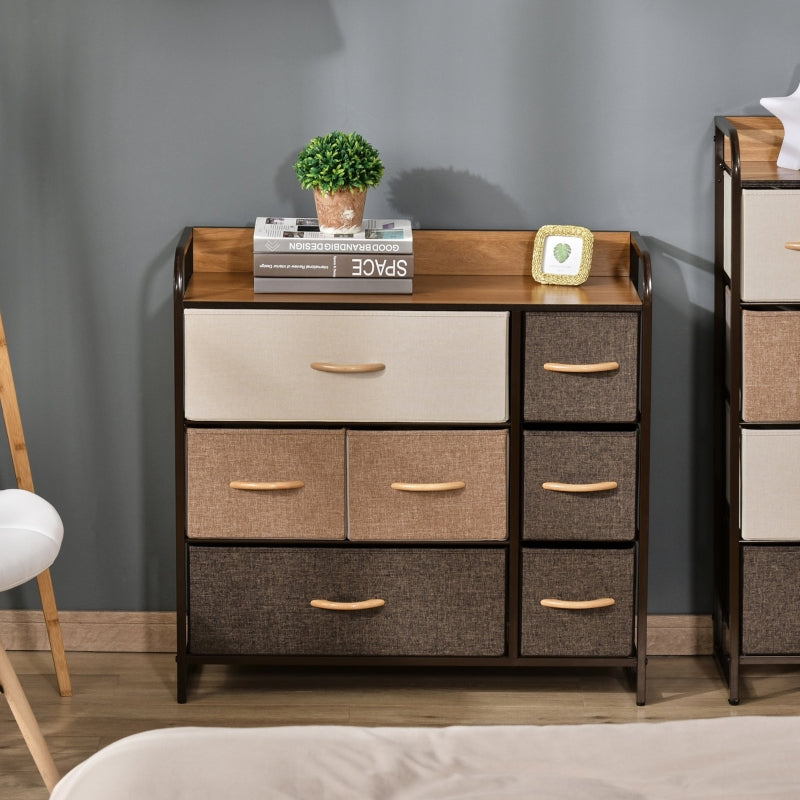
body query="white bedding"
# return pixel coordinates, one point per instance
(735, 757)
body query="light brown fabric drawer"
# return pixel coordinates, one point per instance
(215, 457)
(256, 365)
(770, 600)
(577, 575)
(771, 366)
(770, 495)
(256, 600)
(379, 460)
(580, 458)
(581, 338)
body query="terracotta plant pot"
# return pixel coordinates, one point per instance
(340, 212)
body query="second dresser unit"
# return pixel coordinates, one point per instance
(757, 413)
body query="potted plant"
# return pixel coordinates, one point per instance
(339, 167)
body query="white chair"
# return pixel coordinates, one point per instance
(30, 538)
(31, 532)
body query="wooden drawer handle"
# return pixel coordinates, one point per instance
(602, 486)
(266, 486)
(601, 366)
(600, 602)
(450, 486)
(793, 245)
(324, 366)
(361, 605)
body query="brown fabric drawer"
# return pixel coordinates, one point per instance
(770, 600)
(771, 366)
(218, 456)
(246, 599)
(579, 457)
(407, 460)
(577, 575)
(581, 338)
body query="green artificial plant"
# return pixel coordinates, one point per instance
(339, 161)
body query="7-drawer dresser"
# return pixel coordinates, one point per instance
(757, 319)
(455, 477)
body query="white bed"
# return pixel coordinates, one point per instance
(735, 757)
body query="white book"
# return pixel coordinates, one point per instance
(302, 235)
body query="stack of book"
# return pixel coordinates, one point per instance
(291, 254)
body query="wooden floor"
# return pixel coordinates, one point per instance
(117, 694)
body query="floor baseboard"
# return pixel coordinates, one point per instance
(154, 632)
(92, 631)
(680, 635)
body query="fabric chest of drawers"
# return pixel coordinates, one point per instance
(359, 478)
(757, 399)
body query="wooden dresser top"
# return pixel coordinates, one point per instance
(490, 268)
(760, 140)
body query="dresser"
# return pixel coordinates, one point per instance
(757, 407)
(452, 478)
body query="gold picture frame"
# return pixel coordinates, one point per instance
(562, 254)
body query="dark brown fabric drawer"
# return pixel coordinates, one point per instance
(581, 338)
(771, 600)
(246, 599)
(577, 575)
(313, 458)
(387, 471)
(579, 459)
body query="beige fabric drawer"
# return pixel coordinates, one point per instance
(216, 457)
(579, 339)
(465, 473)
(770, 600)
(567, 493)
(256, 600)
(771, 366)
(255, 365)
(575, 576)
(770, 496)
(770, 219)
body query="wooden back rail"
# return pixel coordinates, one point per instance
(760, 138)
(759, 143)
(436, 252)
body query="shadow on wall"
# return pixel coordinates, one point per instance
(683, 310)
(294, 199)
(156, 573)
(453, 199)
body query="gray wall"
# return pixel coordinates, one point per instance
(121, 121)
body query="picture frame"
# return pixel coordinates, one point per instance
(562, 254)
